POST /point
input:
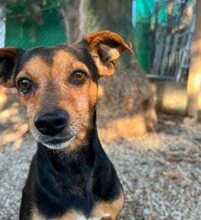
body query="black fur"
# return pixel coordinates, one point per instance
(59, 182)
(9, 64)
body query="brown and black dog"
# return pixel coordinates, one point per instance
(70, 178)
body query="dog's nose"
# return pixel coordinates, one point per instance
(52, 123)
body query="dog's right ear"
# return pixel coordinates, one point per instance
(9, 59)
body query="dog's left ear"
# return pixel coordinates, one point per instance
(9, 58)
(105, 48)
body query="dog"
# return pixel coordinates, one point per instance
(70, 177)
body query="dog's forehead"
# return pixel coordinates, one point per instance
(46, 54)
(61, 54)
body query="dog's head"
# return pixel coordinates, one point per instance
(58, 85)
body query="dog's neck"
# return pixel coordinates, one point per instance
(84, 150)
(70, 173)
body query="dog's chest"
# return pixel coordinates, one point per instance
(71, 215)
(81, 217)
(100, 212)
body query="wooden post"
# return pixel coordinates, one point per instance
(194, 78)
(73, 19)
(171, 97)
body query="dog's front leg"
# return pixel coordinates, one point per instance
(25, 209)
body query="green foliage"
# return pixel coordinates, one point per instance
(33, 23)
(31, 34)
(30, 10)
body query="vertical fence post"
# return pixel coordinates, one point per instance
(194, 78)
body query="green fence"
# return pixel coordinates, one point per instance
(147, 16)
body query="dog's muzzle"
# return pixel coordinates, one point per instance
(52, 129)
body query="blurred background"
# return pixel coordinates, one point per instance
(161, 32)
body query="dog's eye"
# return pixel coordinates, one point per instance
(78, 77)
(24, 85)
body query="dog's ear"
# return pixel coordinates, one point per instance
(9, 58)
(105, 48)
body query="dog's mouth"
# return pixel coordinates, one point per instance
(57, 143)
(54, 142)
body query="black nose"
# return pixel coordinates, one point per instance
(52, 123)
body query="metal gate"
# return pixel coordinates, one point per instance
(172, 23)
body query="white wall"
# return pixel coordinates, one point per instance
(2, 27)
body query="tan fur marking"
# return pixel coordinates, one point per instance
(99, 42)
(100, 37)
(36, 68)
(65, 62)
(107, 210)
(72, 215)
(36, 215)
(80, 140)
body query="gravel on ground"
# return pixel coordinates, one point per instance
(160, 173)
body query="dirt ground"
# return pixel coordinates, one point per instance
(160, 173)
